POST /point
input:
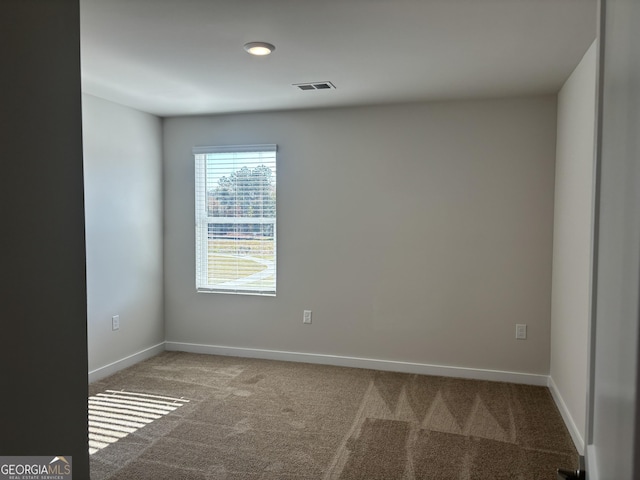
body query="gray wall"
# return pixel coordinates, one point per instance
(43, 359)
(614, 442)
(123, 196)
(418, 233)
(572, 238)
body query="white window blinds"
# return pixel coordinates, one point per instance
(236, 219)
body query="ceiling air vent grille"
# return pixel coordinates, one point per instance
(315, 86)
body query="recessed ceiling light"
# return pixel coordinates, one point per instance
(259, 48)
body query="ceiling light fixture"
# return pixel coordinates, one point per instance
(259, 48)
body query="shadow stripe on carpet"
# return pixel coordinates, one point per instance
(114, 414)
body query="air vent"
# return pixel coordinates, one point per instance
(315, 86)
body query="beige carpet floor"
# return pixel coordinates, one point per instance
(254, 419)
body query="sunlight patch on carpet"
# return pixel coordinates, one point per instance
(115, 414)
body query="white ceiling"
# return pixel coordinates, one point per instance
(181, 57)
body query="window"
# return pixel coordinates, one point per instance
(236, 219)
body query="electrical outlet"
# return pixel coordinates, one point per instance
(306, 317)
(115, 322)
(521, 331)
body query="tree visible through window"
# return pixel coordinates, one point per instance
(236, 219)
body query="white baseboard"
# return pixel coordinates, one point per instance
(341, 361)
(114, 367)
(578, 441)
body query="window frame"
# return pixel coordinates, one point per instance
(203, 220)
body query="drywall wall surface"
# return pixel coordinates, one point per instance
(123, 192)
(418, 233)
(43, 359)
(614, 435)
(572, 237)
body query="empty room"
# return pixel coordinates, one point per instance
(358, 239)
